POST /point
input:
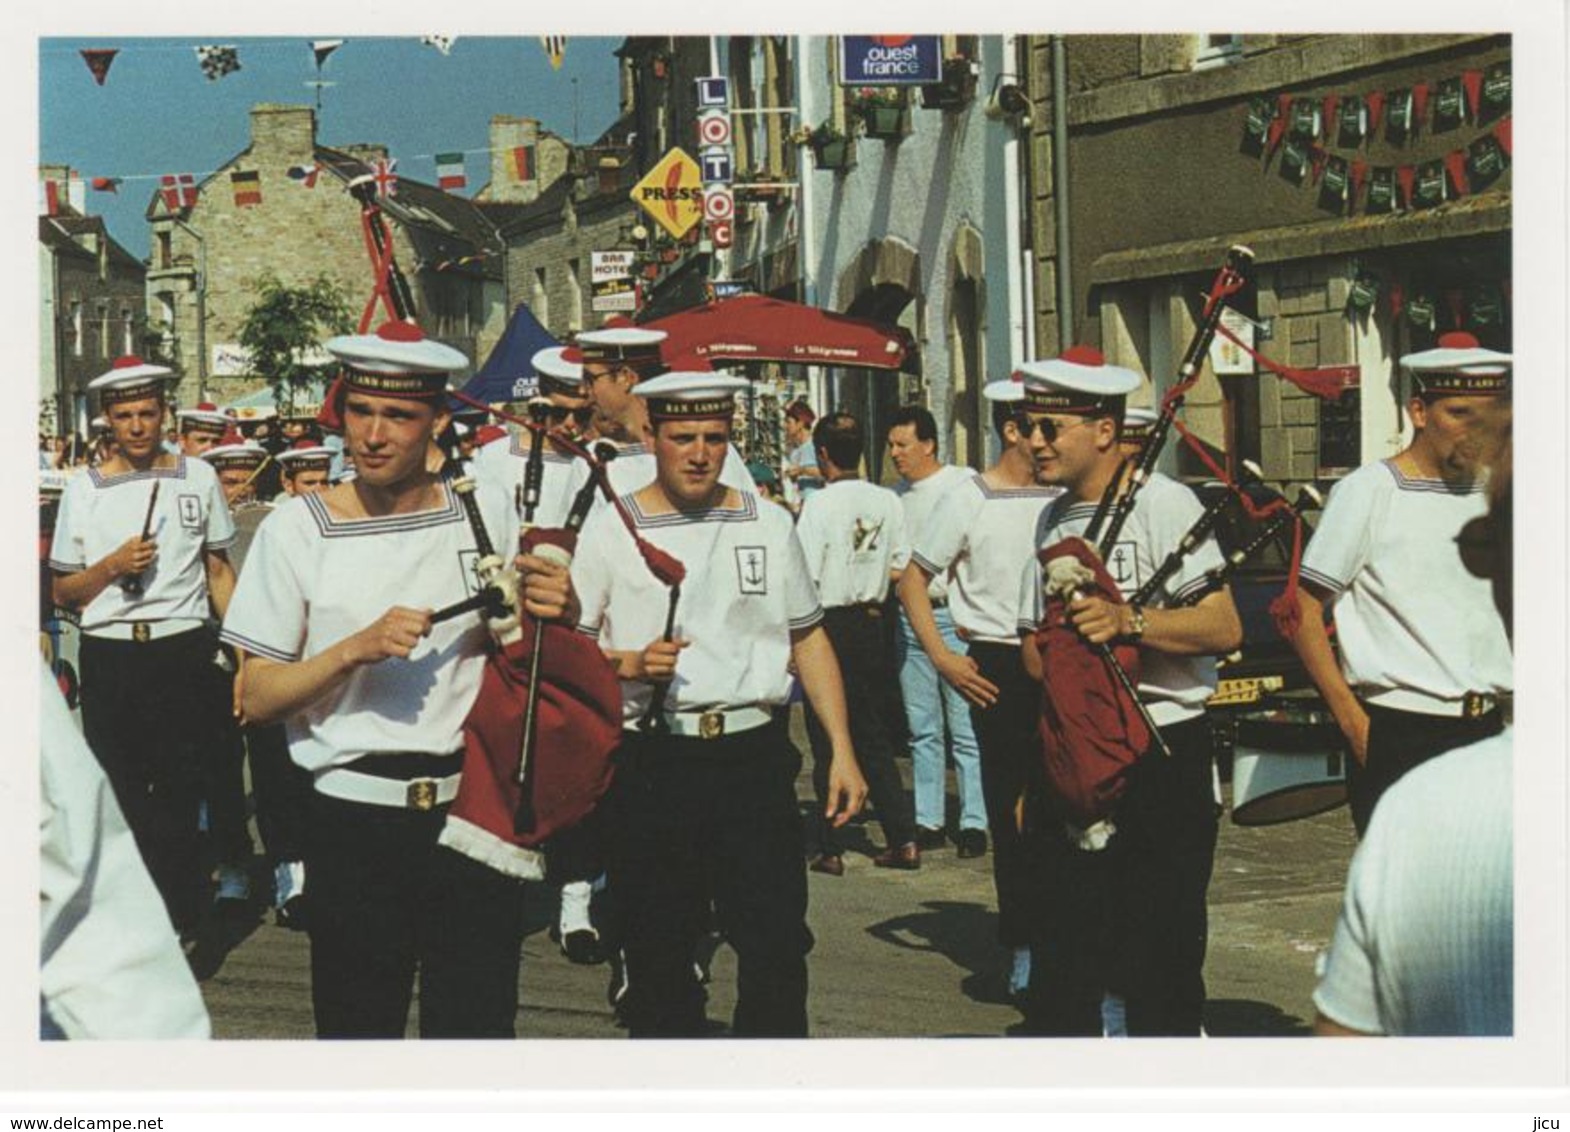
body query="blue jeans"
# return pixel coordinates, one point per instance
(928, 700)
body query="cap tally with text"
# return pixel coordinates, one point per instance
(624, 345)
(204, 418)
(1459, 367)
(234, 451)
(397, 361)
(1138, 420)
(1009, 389)
(691, 396)
(1077, 381)
(560, 370)
(305, 456)
(130, 379)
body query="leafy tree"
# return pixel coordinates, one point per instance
(283, 331)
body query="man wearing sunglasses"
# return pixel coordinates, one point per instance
(1425, 660)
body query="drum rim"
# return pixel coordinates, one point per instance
(1252, 803)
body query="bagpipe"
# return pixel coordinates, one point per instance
(1093, 726)
(539, 736)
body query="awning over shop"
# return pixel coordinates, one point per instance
(755, 328)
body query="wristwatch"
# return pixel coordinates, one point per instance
(1136, 622)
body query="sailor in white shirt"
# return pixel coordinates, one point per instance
(1425, 662)
(614, 361)
(1131, 916)
(934, 709)
(333, 614)
(139, 549)
(201, 428)
(704, 803)
(979, 536)
(853, 535)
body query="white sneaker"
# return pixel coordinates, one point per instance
(1019, 976)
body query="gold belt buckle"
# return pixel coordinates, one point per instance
(141, 632)
(1475, 705)
(711, 725)
(421, 794)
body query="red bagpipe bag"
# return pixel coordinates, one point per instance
(577, 727)
(1091, 730)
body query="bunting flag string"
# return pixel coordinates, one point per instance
(305, 174)
(98, 61)
(322, 48)
(442, 43)
(555, 49)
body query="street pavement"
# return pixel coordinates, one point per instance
(898, 954)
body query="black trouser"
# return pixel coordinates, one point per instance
(1011, 768)
(1132, 917)
(1401, 740)
(857, 634)
(223, 774)
(283, 794)
(695, 818)
(387, 900)
(146, 715)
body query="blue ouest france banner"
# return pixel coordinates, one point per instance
(890, 60)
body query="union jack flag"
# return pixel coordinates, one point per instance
(386, 178)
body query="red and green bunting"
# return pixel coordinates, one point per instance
(1480, 304)
(1297, 132)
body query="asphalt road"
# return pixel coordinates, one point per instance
(898, 954)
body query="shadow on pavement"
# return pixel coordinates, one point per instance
(1245, 1018)
(964, 933)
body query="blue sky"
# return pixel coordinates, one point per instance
(158, 113)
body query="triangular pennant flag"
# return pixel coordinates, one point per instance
(1419, 104)
(1431, 188)
(1406, 175)
(247, 187)
(1449, 104)
(305, 174)
(386, 178)
(1279, 125)
(218, 61)
(98, 61)
(555, 48)
(1381, 190)
(1356, 171)
(1353, 123)
(1327, 109)
(1502, 136)
(1317, 156)
(1376, 109)
(1472, 84)
(1397, 300)
(1455, 300)
(442, 43)
(1455, 165)
(106, 184)
(322, 48)
(449, 171)
(1496, 87)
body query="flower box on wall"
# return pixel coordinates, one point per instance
(837, 154)
(957, 88)
(883, 111)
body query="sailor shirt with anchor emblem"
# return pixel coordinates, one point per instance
(746, 590)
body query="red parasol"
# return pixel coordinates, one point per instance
(756, 328)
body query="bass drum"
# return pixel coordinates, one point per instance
(247, 517)
(1287, 763)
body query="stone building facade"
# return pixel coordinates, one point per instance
(208, 255)
(1162, 176)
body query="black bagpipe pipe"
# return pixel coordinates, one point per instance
(1286, 513)
(534, 467)
(132, 583)
(1228, 280)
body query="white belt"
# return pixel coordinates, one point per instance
(714, 724)
(412, 794)
(1470, 705)
(142, 631)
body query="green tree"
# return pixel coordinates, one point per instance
(284, 329)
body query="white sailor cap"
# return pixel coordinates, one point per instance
(1077, 381)
(1006, 389)
(1459, 367)
(1138, 420)
(560, 370)
(99, 424)
(204, 418)
(397, 361)
(304, 455)
(130, 379)
(629, 345)
(234, 451)
(690, 395)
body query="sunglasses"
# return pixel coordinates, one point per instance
(1049, 429)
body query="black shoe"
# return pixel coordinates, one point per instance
(582, 946)
(930, 838)
(830, 864)
(905, 856)
(971, 843)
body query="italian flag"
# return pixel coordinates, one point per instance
(449, 171)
